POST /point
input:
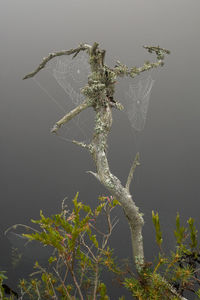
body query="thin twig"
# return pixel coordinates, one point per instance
(96, 280)
(94, 174)
(20, 225)
(136, 163)
(62, 282)
(82, 47)
(89, 249)
(70, 115)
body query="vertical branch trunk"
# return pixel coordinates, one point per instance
(99, 93)
(97, 148)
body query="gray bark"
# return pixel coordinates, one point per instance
(100, 95)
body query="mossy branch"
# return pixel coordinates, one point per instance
(122, 70)
(82, 47)
(99, 93)
(70, 115)
(136, 163)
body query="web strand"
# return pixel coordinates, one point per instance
(138, 106)
(71, 75)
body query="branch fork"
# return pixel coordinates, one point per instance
(99, 93)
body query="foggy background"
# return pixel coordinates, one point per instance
(38, 169)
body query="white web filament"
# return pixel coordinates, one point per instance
(71, 74)
(139, 95)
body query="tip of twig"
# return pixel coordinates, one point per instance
(94, 174)
(54, 128)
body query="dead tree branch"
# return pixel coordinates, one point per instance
(136, 163)
(99, 93)
(82, 47)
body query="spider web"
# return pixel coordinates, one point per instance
(71, 75)
(137, 108)
(134, 94)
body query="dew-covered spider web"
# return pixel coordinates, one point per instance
(138, 96)
(69, 74)
(137, 108)
(135, 95)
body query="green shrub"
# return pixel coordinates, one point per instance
(80, 252)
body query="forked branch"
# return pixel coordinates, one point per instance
(99, 93)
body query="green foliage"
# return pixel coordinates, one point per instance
(2, 277)
(193, 233)
(198, 293)
(180, 232)
(170, 276)
(156, 223)
(2, 291)
(148, 286)
(80, 251)
(103, 291)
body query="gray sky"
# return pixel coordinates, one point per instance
(38, 170)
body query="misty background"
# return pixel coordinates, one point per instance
(37, 169)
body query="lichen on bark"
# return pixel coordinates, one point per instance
(99, 94)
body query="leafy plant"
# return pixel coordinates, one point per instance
(81, 247)
(181, 269)
(79, 251)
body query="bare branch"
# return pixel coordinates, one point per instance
(99, 93)
(82, 47)
(136, 163)
(88, 249)
(81, 144)
(62, 282)
(158, 50)
(20, 225)
(70, 115)
(121, 69)
(96, 280)
(97, 230)
(94, 174)
(117, 105)
(74, 278)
